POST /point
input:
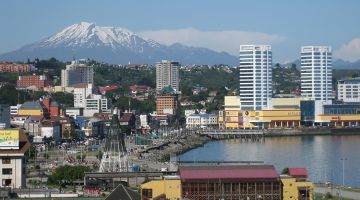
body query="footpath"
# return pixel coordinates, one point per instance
(335, 192)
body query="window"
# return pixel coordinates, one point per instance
(6, 161)
(6, 182)
(7, 171)
(147, 193)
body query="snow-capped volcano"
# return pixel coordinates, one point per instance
(89, 35)
(113, 45)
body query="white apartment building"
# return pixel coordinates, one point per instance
(81, 92)
(349, 90)
(316, 72)
(12, 162)
(255, 77)
(4, 116)
(96, 104)
(77, 72)
(15, 109)
(167, 74)
(201, 120)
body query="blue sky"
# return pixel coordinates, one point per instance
(219, 25)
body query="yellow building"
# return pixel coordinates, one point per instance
(296, 186)
(295, 189)
(341, 120)
(271, 118)
(230, 116)
(32, 109)
(285, 114)
(168, 188)
(286, 103)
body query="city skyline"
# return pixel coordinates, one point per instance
(218, 26)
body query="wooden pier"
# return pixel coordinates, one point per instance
(243, 134)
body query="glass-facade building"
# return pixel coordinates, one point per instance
(255, 77)
(316, 72)
(342, 109)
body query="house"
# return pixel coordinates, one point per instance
(135, 89)
(33, 108)
(12, 156)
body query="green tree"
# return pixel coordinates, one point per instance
(285, 170)
(30, 153)
(66, 175)
(67, 99)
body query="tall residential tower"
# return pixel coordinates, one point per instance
(167, 74)
(77, 72)
(316, 72)
(255, 77)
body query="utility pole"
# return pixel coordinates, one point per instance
(343, 173)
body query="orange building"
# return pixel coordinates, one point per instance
(167, 104)
(39, 82)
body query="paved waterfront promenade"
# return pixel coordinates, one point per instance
(335, 192)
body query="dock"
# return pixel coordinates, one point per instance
(243, 134)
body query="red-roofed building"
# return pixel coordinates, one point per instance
(230, 182)
(138, 88)
(298, 172)
(103, 90)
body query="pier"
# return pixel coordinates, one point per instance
(243, 134)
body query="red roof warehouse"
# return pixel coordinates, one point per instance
(230, 182)
(228, 173)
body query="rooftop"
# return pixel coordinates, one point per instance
(230, 172)
(298, 172)
(203, 115)
(24, 145)
(31, 105)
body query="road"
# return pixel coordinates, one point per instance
(335, 192)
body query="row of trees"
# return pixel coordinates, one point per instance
(11, 96)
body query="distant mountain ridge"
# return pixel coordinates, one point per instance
(113, 45)
(337, 64)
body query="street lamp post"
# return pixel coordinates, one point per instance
(343, 172)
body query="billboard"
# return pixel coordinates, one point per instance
(9, 139)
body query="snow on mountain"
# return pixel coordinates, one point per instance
(113, 45)
(89, 35)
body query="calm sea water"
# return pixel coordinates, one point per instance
(321, 155)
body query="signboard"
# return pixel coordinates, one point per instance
(9, 139)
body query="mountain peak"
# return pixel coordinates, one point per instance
(114, 45)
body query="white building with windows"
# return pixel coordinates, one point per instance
(167, 74)
(255, 77)
(349, 90)
(96, 104)
(12, 161)
(15, 109)
(316, 72)
(81, 92)
(77, 72)
(201, 120)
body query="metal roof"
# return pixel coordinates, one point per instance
(31, 105)
(298, 172)
(230, 172)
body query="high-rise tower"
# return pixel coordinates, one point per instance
(316, 72)
(255, 77)
(167, 74)
(77, 72)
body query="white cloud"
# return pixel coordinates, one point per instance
(227, 41)
(350, 51)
